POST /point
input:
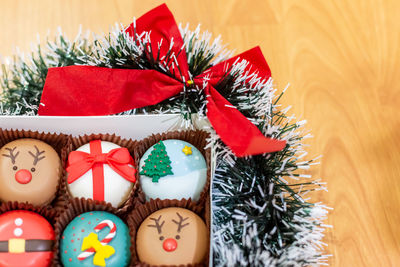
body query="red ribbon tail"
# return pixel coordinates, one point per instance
(262, 144)
(235, 130)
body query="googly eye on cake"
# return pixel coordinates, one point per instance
(27, 236)
(173, 168)
(30, 168)
(102, 169)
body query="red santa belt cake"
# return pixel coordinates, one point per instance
(26, 239)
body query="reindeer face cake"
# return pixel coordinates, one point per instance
(176, 235)
(29, 172)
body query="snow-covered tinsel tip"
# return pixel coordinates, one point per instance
(305, 251)
(202, 42)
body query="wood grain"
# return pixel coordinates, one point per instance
(342, 60)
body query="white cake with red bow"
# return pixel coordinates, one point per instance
(102, 171)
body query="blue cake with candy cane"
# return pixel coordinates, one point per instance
(95, 238)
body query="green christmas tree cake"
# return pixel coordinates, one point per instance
(158, 163)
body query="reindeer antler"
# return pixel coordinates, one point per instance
(157, 224)
(180, 223)
(36, 157)
(11, 155)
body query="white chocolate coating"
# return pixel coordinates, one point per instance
(116, 188)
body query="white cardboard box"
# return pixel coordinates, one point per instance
(134, 127)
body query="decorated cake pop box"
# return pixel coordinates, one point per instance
(104, 191)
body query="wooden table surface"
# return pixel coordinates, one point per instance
(342, 60)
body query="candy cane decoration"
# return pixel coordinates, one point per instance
(113, 230)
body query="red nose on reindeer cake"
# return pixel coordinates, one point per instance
(26, 239)
(23, 176)
(170, 244)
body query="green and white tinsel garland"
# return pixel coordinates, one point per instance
(261, 213)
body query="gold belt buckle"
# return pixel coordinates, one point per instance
(16, 245)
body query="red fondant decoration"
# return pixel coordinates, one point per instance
(170, 244)
(118, 159)
(23, 176)
(34, 229)
(86, 90)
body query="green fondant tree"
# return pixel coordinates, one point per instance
(157, 163)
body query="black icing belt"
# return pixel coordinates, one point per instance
(31, 245)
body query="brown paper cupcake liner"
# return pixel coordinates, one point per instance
(142, 211)
(76, 142)
(76, 207)
(57, 141)
(197, 138)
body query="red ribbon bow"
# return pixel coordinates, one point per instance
(87, 90)
(118, 159)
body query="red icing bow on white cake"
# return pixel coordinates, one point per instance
(118, 159)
